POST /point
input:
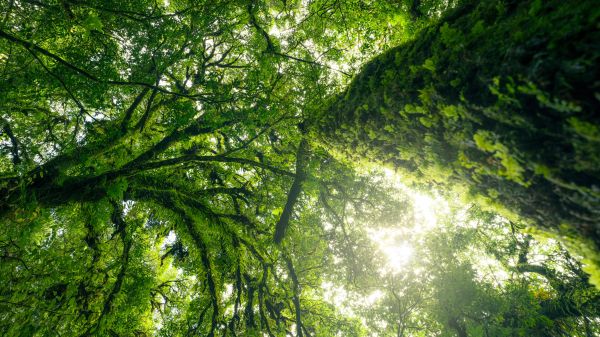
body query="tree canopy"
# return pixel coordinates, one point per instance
(299, 168)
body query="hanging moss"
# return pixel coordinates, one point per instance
(505, 95)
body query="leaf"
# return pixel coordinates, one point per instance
(116, 189)
(92, 22)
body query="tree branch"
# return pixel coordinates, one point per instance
(16, 159)
(31, 46)
(293, 193)
(119, 222)
(195, 158)
(129, 112)
(193, 129)
(296, 292)
(272, 49)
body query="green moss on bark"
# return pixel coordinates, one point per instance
(504, 95)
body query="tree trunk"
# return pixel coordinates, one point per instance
(500, 98)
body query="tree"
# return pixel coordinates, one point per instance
(159, 174)
(491, 100)
(148, 151)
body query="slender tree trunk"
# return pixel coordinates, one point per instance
(500, 98)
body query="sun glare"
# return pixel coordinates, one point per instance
(397, 256)
(392, 245)
(395, 243)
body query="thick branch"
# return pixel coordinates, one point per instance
(119, 222)
(293, 193)
(129, 168)
(296, 292)
(129, 112)
(16, 159)
(192, 130)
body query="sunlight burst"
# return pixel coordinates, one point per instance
(396, 251)
(397, 256)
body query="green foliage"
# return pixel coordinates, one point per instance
(511, 167)
(149, 149)
(92, 22)
(116, 189)
(585, 129)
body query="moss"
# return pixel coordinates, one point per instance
(544, 99)
(585, 129)
(429, 65)
(427, 122)
(580, 246)
(451, 112)
(478, 28)
(502, 102)
(115, 189)
(450, 37)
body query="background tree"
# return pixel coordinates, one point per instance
(483, 281)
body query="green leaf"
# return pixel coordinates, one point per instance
(92, 22)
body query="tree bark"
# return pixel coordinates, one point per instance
(500, 98)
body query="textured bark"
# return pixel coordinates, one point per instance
(499, 97)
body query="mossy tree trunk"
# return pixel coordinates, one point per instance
(500, 97)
